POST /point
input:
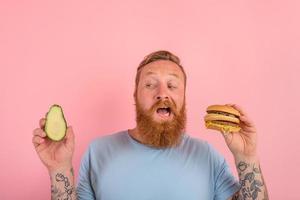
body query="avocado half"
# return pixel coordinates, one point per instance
(56, 125)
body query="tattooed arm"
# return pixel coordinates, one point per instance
(62, 185)
(251, 180)
(57, 157)
(243, 145)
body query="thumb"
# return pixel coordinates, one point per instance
(228, 136)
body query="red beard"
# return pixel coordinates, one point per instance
(167, 133)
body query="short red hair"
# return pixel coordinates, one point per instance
(154, 56)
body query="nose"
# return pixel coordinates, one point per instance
(162, 93)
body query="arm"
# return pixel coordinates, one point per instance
(251, 179)
(57, 158)
(244, 149)
(62, 184)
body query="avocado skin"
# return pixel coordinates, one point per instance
(63, 117)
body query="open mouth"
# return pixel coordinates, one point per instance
(164, 112)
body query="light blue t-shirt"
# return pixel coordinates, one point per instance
(117, 167)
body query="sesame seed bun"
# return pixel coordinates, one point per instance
(223, 108)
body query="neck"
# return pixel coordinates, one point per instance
(135, 134)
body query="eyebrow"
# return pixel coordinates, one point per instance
(172, 74)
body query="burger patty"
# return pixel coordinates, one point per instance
(225, 123)
(222, 113)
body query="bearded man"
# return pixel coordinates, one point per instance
(157, 159)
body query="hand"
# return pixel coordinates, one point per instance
(54, 155)
(242, 144)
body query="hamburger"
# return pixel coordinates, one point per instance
(223, 118)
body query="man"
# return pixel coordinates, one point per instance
(156, 159)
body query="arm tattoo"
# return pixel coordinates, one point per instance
(251, 182)
(57, 194)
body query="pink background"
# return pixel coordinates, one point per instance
(83, 56)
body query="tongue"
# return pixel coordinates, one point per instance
(163, 111)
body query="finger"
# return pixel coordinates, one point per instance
(240, 109)
(42, 123)
(246, 121)
(244, 116)
(247, 128)
(70, 138)
(248, 124)
(228, 136)
(229, 104)
(37, 140)
(39, 132)
(237, 107)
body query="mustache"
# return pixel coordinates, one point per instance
(164, 103)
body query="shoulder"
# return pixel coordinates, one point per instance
(201, 147)
(195, 144)
(108, 142)
(109, 138)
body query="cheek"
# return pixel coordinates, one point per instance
(179, 104)
(144, 100)
(179, 99)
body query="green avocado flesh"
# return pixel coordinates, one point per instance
(56, 125)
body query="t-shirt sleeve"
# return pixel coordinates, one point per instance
(84, 186)
(225, 183)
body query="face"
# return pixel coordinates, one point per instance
(161, 80)
(160, 103)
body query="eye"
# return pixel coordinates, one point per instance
(172, 86)
(150, 85)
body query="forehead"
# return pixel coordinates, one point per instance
(162, 67)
